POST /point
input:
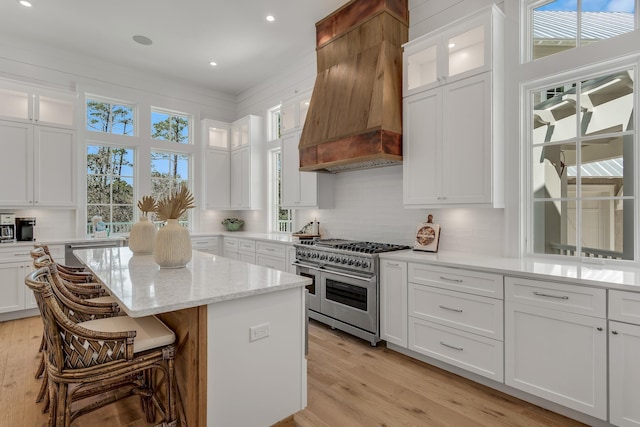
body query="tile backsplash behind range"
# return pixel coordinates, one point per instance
(368, 206)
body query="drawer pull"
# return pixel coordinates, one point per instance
(451, 280)
(27, 254)
(270, 249)
(539, 294)
(614, 332)
(444, 307)
(451, 346)
(393, 264)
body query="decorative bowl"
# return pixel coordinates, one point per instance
(233, 224)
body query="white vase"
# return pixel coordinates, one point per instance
(142, 236)
(173, 245)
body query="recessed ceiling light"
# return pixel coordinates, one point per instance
(24, 3)
(142, 40)
(270, 18)
(213, 64)
(452, 45)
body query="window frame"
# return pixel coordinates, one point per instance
(134, 178)
(527, 36)
(134, 108)
(273, 204)
(527, 91)
(172, 113)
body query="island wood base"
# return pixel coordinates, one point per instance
(190, 327)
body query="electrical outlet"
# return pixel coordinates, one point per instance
(258, 332)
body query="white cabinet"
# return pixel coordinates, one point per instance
(246, 163)
(42, 167)
(272, 255)
(30, 104)
(451, 318)
(464, 48)
(209, 244)
(12, 285)
(624, 354)
(291, 258)
(393, 302)
(302, 189)
(247, 251)
(452, 129)
(451, 150)
(230, 247)
(553, 349)
(15, 264)
(217, 164)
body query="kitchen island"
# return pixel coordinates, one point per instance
(240, 331)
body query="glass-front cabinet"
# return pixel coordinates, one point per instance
(24, 103)
(457, 51)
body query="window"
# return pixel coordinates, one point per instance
(167, 126)
(110, 187)
(273, 125)
(110, 117)
(280, 220)
(168, 171)
(582, 196)
(559, 25)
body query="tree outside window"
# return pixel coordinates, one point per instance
(108, 117)
(110, 187)
(168, 171)
(169, 127)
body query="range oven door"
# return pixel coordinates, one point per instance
(313, 288)
(350, 299)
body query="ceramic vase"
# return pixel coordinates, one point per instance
(173, 245)
(142, 236)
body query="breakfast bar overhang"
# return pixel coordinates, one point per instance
(240, 331)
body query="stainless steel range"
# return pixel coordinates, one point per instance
(344, 293)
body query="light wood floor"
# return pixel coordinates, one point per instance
(350, 384)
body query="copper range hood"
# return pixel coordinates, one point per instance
(354, 119)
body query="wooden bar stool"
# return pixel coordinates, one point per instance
(94, 363)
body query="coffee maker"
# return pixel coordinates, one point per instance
(24, 229)
(7, 228)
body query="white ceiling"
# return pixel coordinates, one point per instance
(186, 34)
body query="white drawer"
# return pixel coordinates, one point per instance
(474, 353)
(559, 296)
(16, 253)
(209, 242)
(248, 246)
(230, 244)
(624, 306)
(471, 313)
(472, 282)
(271, 249)
(271, 262)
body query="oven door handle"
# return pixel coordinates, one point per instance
(310, 267)
(351, 276)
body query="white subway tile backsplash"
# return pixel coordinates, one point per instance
(368, 206)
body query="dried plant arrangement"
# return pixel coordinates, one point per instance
(146, 204)
(175, 204)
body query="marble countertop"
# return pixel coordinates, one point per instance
(142, 288)
(583, 273)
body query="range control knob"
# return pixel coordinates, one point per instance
(344, 260)
(332, 258)
(365, 264)
(323, 256)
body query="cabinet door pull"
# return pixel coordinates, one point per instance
(393, 264)
(26, 254)
(444, 307)
(539, 294)
(599, 328)
(451, 280)
(451, 346)
(614, 332)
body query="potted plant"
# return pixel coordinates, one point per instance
(233, 224)
(173, 243)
